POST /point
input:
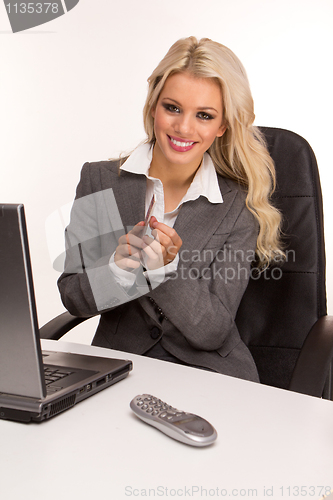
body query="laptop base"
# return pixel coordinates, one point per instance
(24, 409)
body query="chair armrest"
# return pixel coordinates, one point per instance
(313, 371)
(60, 325)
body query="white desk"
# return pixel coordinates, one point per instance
(270, 442)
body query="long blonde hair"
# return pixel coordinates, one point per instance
(241, 153)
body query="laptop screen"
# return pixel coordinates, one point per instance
(20, 352)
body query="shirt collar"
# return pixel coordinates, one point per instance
(205, 182)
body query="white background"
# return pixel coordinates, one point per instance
(72, 90)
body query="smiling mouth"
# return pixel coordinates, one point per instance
(181, 144)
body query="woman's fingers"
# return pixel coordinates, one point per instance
(164, 247)
(169, 238)
(156, 251)
(128, 251)
(153, 253)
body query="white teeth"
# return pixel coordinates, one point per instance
(181, 144)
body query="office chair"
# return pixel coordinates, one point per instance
(282, 317)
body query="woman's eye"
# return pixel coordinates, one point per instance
(171, 107)
(205, 116)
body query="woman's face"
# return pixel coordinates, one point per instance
(187, 118)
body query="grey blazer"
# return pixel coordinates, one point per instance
(192, 313)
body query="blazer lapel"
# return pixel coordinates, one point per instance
(130, 192)
(199, 219)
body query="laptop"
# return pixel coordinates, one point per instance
(36, 385)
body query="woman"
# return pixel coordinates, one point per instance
(173, 293)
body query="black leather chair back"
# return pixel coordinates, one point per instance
(279, 308)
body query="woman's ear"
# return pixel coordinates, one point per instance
(152, 112)
(221, 131)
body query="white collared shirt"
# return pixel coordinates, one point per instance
(205, 183)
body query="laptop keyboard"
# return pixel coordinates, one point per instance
(53, 374)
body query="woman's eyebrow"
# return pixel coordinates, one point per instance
(201, 108)
(169, 99)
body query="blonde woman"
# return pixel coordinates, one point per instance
(173, 292)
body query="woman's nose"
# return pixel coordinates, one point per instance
(184, 125)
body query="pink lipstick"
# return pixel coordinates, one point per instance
(180, 145)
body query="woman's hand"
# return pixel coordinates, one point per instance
(163, 248)
(154, 253)
(129, 249)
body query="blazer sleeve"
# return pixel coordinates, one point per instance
(202, 299)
